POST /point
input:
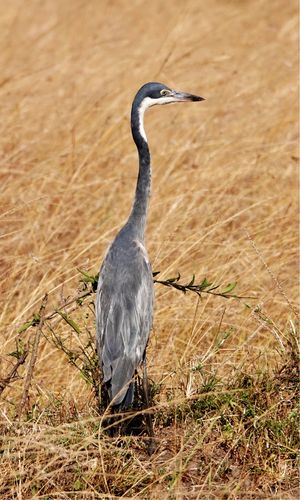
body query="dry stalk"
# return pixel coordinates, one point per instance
(24, 401)
(269, 270)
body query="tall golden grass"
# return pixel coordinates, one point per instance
(224, 202)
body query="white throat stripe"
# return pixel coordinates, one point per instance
(147, 102)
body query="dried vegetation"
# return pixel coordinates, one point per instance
(224, 207)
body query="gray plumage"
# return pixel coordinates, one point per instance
(124, 301)
(124, 316)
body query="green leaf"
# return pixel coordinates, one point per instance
(84, 374)
(25, 326)
(204, 284)
(229, 287)
(191, 282)
(78, 485)
(33, 322)
(70, 322)
(20, 350)
(88, 278)
(174, 280)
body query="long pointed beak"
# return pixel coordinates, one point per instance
(183, 96)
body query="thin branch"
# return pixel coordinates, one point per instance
(13, 374)
(204, 287)
(89, 284)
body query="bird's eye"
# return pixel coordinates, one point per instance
(165, 92)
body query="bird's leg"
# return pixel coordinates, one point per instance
(148, 416)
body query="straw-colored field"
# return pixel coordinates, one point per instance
(224, 206)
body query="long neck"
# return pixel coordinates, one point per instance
(137, 218)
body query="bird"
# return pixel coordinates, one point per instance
(125, 294)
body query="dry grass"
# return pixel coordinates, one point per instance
(224, 205)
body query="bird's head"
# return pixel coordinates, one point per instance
(154, 93)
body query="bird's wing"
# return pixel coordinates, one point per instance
(124, 308)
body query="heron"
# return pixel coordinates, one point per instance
(125, 295)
